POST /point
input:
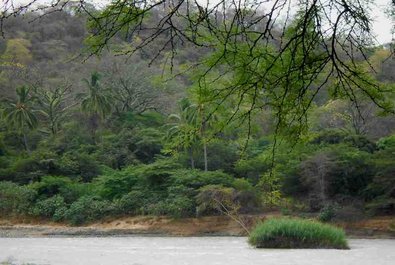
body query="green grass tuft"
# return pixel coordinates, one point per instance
(297, 233)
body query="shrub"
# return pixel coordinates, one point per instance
(216, 198)
(223, 155)
(25, 169)
(131, 203)
(50, 186)
(252, 168)
(180, 206)
(14, 199)
(48, 207)
(146, 144)
(327, 213)
(335, 136)
(78, 164)
(176, 207)
(60, 214)
(382, 205)
(330, 136)
(177, 203)
(157, 174)
(116, 184)
(196, 178)
(53, 185)
(352, 171)
(296, 233)
(381, 191)
(242, 185)
(386, 142)
(88, 209)
(247, 196)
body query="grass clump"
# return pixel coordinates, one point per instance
(297, 233)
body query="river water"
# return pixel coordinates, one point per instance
(184, 251)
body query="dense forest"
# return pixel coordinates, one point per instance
(83, 137)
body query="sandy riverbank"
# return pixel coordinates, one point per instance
(383, 227)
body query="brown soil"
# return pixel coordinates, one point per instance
(150, 225)
(383, 226)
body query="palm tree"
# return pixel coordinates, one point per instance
(189, 128)
(203, 127)
(21, 114)
(183, 129)
(205, 117)
(53, 106)
(97, 102)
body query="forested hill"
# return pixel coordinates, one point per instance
(83, 137)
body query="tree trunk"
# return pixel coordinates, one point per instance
(93, 126)
(191, 157)
(25, 143)
(205, 156)
(203, 132)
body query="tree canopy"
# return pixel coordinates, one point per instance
(265, 54)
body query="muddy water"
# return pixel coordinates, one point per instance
(184, 251)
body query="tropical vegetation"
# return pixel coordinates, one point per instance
(86, 137)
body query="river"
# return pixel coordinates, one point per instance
(184, 251)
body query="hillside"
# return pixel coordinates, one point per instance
(85, 138)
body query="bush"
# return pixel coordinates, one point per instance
(247, 196)
(114, 185)
(382, 205)
(327, 213)
(88, 209)
(196, 179)
(157, 174)
(78, 164)
(70, 190)
(252, 168)
(146, 144)
(49, 207)
(336, 136)
(352, 171)
(180, 206)
(329, 136)
(296, 233)
(131, 203)
(216, 199)
(24, 169)
(223, 156)
(386, 142)
(176, 207)
(14, 199)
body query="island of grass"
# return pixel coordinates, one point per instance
(297, 233)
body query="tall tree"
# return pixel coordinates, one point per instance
(182, 132)
(97, 102)
(53, 105)
(20, 114)
(191, 126)
(132, 87)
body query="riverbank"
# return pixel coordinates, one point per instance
(378, 227)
